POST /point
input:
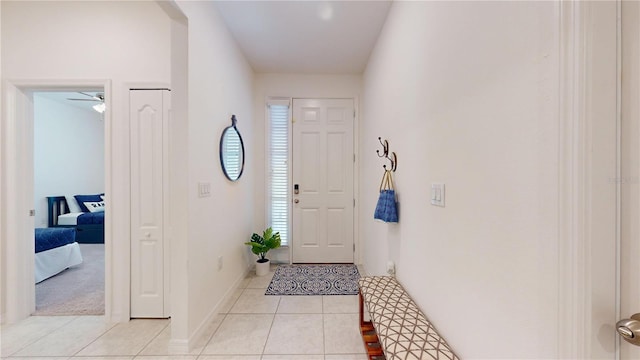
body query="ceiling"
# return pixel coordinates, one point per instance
(321, 37)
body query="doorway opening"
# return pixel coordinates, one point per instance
(68, 192)
(19, 217)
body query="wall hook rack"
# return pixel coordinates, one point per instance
(393, 158)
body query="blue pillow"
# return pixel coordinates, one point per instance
(87, 198)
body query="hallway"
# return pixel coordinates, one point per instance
(251, 326)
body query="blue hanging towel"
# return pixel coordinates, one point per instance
(387, 207)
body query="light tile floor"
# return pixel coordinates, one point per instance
(250, 326)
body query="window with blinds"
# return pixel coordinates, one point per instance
(278, 161)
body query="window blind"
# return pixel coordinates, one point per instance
(279, 169)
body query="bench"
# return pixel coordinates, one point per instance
(398, 330)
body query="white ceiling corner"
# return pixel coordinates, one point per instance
(323, 37)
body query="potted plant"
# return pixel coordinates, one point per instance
(260, 245)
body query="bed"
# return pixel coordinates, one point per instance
(89, 225)
(56, 250)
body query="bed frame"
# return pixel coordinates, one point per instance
(85, 234)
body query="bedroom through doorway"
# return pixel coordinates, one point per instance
(69, 201)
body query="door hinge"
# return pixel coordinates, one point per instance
(354, 202)
(354, 247)
(32, 212)
(354, 113)
(354, 157)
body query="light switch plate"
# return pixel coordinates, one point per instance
(437, 194)
(204, 189)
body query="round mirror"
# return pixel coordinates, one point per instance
(232, 151)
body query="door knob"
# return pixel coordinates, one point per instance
(296, 201)
(629, 329)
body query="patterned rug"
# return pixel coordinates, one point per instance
(334, 279)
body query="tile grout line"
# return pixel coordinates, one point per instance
(94, 340)
(224, 317)
(43, 336)
(234, 302)
(74, 317)
(273, 320)
(152, 338)
(226, 314)
(324, 345)
(200, 354)
(324, 340)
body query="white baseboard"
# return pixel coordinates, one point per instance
(363, 270)
(178, 346)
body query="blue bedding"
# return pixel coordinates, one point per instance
(91, 218)
(50, 238)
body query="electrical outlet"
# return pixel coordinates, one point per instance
(391, 268)
(220, 262)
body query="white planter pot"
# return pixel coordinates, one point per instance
(262, 269)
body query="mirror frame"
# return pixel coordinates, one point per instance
(224, 132)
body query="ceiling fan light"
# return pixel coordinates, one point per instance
(100, 107)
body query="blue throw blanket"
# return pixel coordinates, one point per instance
(50, 238)
(91, 218)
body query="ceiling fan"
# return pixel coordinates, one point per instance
(98, 97)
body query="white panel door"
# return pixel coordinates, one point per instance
(323, 161)
(149, 123)
(628, 181)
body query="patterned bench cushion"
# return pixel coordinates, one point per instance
(403, 330)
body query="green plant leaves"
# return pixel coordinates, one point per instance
(267, 233)
(273, 241)
(260, 245)
(257, 238)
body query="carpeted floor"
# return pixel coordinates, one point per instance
(303, 279)
(78, 290)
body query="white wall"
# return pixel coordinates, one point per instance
(136, 42)
(289, 86)
(68, 152)
(179, 139)
(122, 42)
(465, 93)
(220, 84)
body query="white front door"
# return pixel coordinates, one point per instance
(149, 123)
(323, 162)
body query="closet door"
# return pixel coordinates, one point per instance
(149, 125)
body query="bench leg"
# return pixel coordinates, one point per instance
(369, 337)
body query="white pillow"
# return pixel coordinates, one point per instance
(97, 206)
(72, 203)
